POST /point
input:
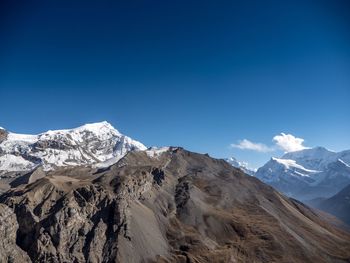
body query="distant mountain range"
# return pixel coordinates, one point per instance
(315, 176)
(304, 175)
(338, 205)
(308, 174)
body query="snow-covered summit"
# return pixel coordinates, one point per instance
(308, 173)
(313, 158)
(98, 128)
(242, 165)
(88, 144)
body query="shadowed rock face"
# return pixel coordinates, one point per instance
(9, 251)
(176, 207)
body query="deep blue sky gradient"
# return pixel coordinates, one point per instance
(200, 74)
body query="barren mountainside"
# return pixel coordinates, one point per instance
(165, 205)
(338, 205)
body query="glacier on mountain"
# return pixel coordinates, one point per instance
(88, 144)
(307, 174)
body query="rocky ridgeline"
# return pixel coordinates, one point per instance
(165, 206)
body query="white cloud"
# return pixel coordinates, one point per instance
(285, 142)
(248, 145)
(289, 143)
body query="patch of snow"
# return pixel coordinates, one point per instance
(289, 164)
(108, 162)
(9, 162)
(233, 161)
(156, 152)
(16, 137)
(340, 160)
(242, 165)
(301, 174)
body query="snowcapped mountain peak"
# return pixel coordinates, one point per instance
(85, 145)
(242, 165)
(316, 152)
(97, 128)
(233, 161)
(25, 138)
(316, 158)
(309, 173)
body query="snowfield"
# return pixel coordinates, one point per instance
(88, 144)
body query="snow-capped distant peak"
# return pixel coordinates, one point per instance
(309, 173)
(310, 153)
(96, 128)
(85, 145)
(233, 161)
(242, 165)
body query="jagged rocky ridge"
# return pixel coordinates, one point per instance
(166, 205)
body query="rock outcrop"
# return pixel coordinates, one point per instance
(9, 250)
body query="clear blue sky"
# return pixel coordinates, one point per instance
(199, 74)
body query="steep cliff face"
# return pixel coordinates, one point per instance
(9, 250)
(168, 205)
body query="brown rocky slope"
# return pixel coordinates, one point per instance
(176, 206)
